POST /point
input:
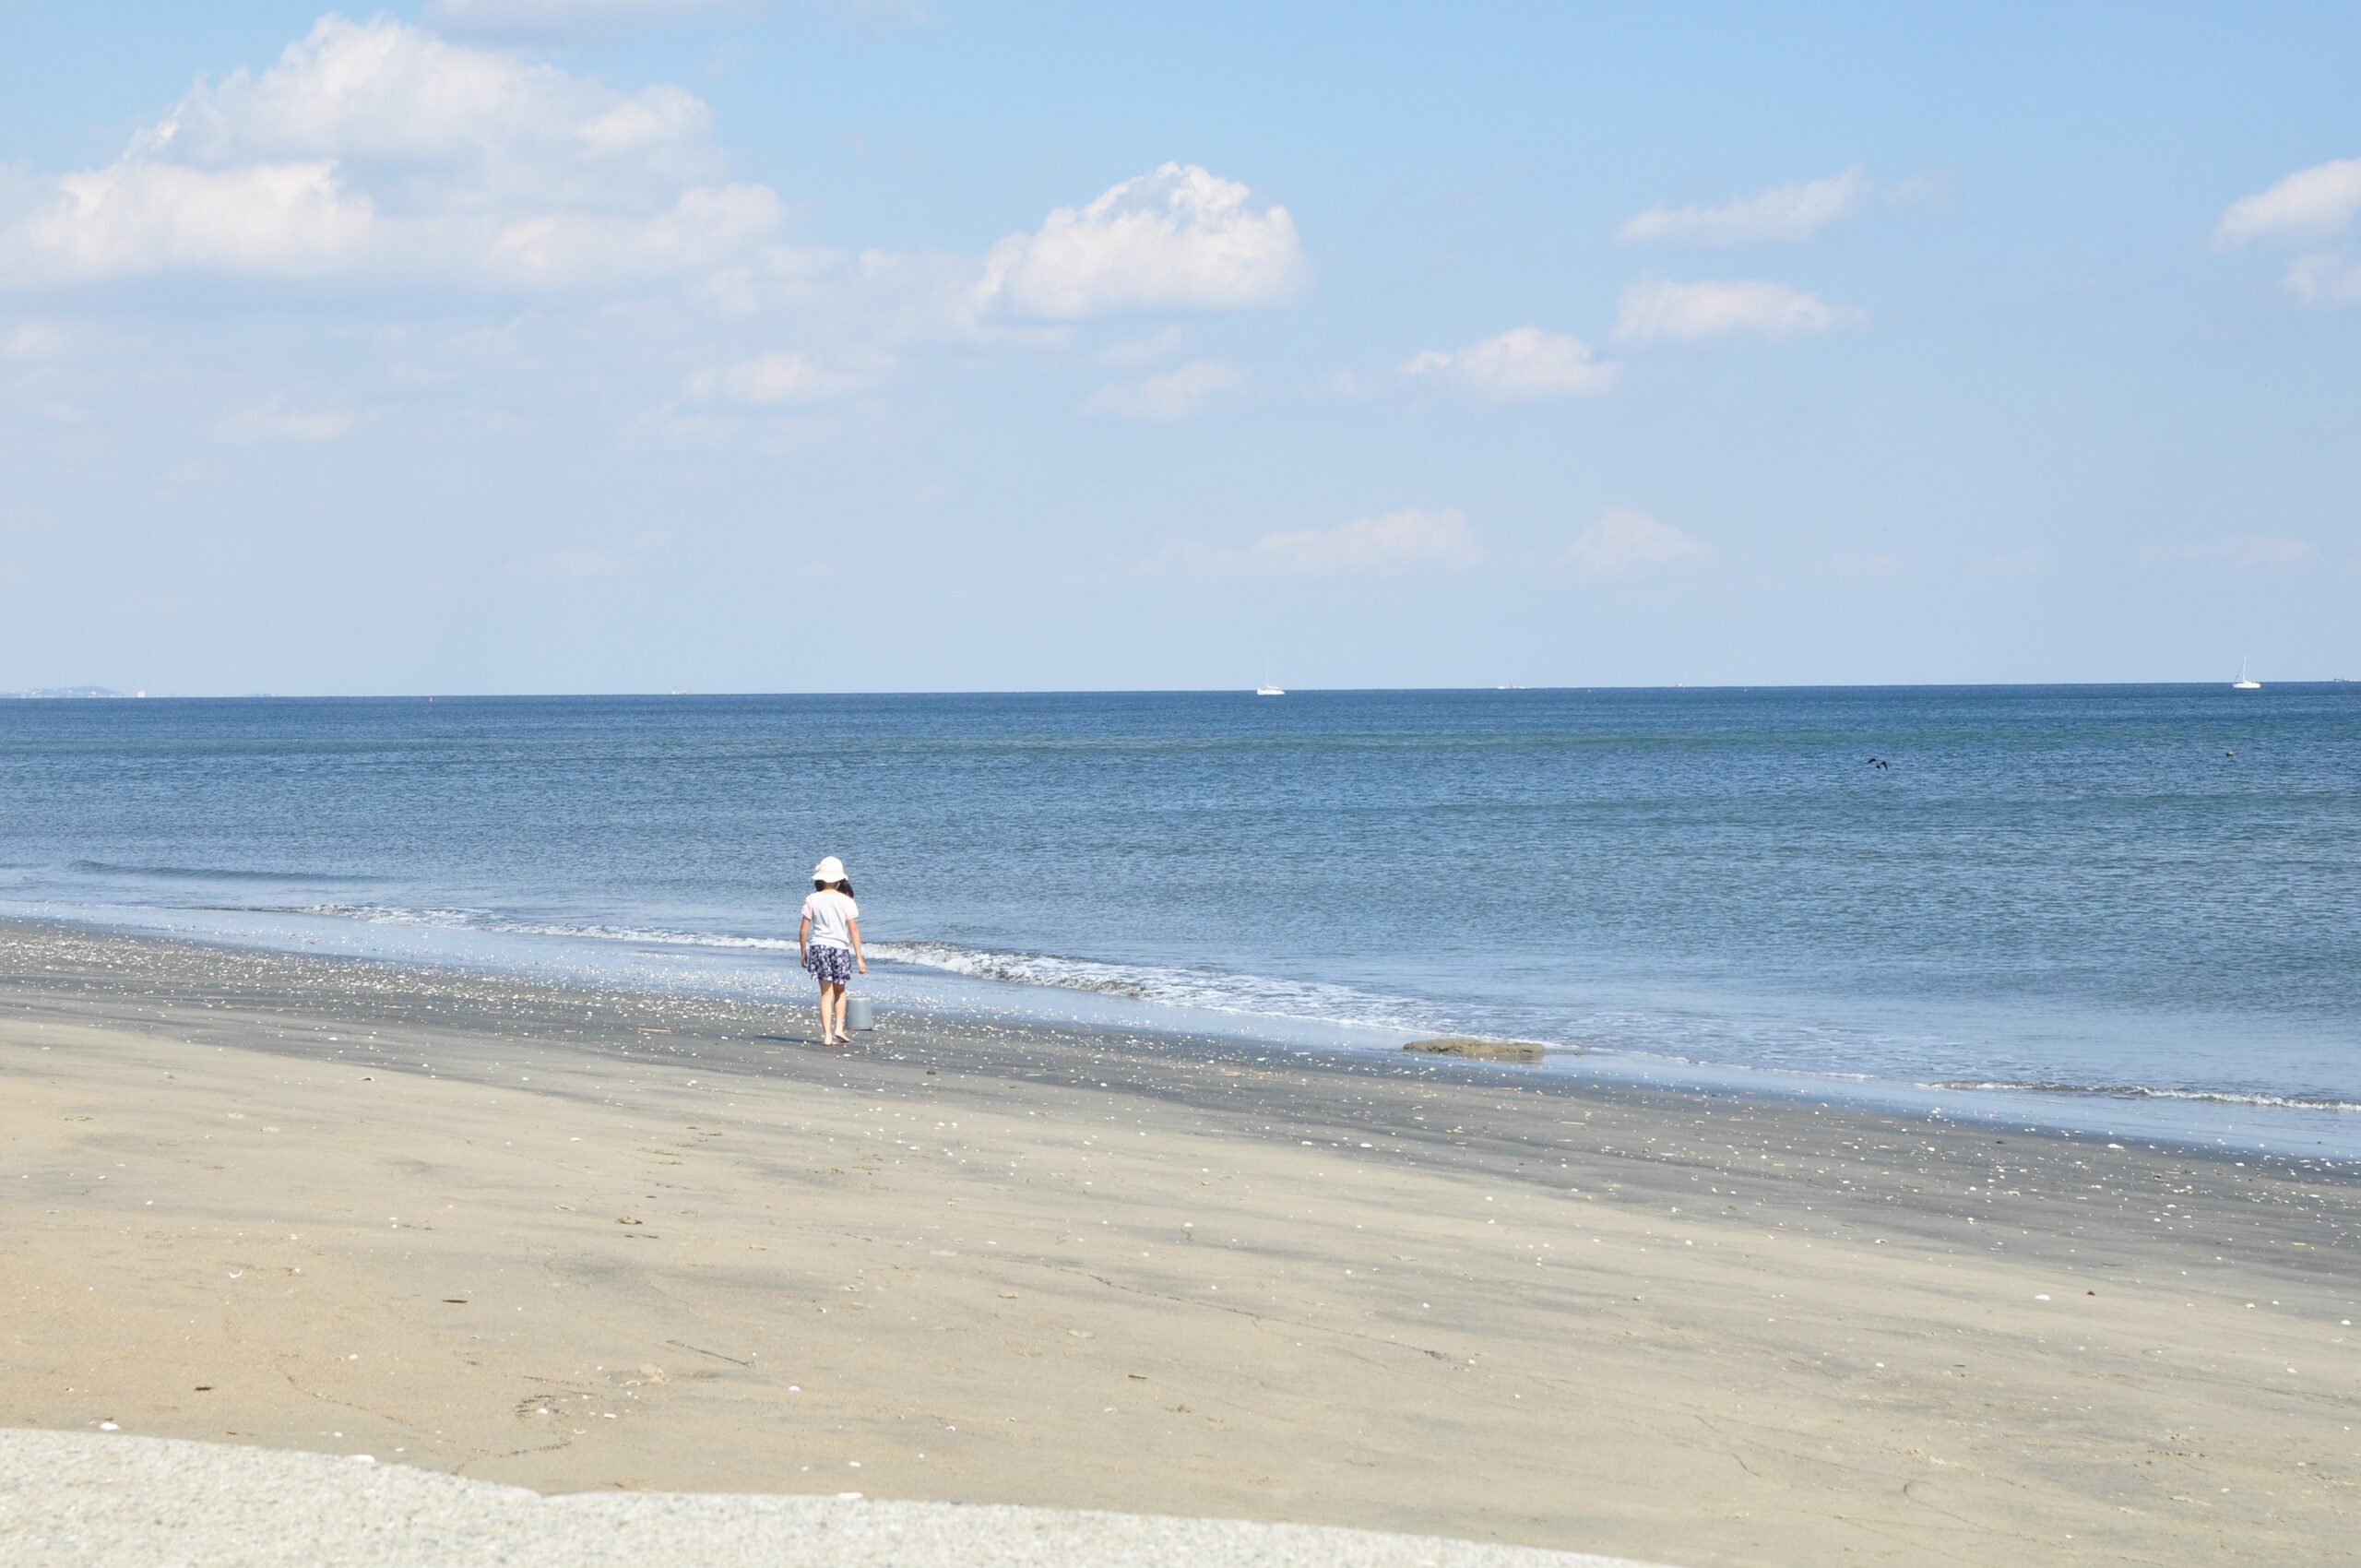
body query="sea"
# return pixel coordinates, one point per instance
(2130, 909)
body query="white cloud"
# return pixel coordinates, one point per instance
(378, 150)
(2322, 279)
(1176, 238)
(2309, 202)
(433, 119)
(779, 380)
(2240, 551)
(1396, 542)
(1171, 395)
(135, 218)
(1521, 363)
(275, 422)
(1624, 543)
(1783, 213)
(559, 16)
(1688, 312)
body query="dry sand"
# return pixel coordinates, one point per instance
(575, 1239)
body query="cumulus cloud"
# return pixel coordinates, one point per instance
(137, 218)
(436, 119)
(2307, 204)
(1624, 543)
(1176, 238)
(1784, 213)
(380, 150)
(2307, 207)
(1655, 308)
(1171, 395)
(1396, 542)
(1525, 362)
(2240, 551)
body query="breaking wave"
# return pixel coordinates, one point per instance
(1206, 990)
(2146, 1091)
(1169, 985)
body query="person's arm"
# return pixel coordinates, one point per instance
(854, 926)
(803, 940)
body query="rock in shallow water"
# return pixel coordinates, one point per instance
(1482, 1049)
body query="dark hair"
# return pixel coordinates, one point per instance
(840, 886)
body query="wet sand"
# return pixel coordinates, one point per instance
(576, 1240)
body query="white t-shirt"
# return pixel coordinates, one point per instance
(831, 914)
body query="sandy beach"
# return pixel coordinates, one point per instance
(581, 1241)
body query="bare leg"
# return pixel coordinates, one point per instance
(832, 1012)
(827, 1029)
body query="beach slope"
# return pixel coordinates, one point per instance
(584, 1240)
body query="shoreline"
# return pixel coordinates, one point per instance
(2290, 1126)
(973, 1261)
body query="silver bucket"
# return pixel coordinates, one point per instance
(856, 1014)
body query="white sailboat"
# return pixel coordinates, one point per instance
(1268, 690)
(2242, 684)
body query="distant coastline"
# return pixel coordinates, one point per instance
(52, 693)
(88, 694)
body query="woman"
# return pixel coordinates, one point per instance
(830, 943)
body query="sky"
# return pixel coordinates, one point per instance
(883, 345)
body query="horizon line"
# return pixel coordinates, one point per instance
(107, 694)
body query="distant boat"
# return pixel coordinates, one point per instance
(2242, 684)
(1268, 690)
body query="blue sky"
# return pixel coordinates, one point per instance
(623, 345)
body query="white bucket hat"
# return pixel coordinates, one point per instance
(829, 869)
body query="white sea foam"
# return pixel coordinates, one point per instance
(2149, 1092)
(480, 919)
(1204, 989)
(1207, 989)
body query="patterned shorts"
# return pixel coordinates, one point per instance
(829, 965)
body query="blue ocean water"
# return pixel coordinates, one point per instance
(2133, 892)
